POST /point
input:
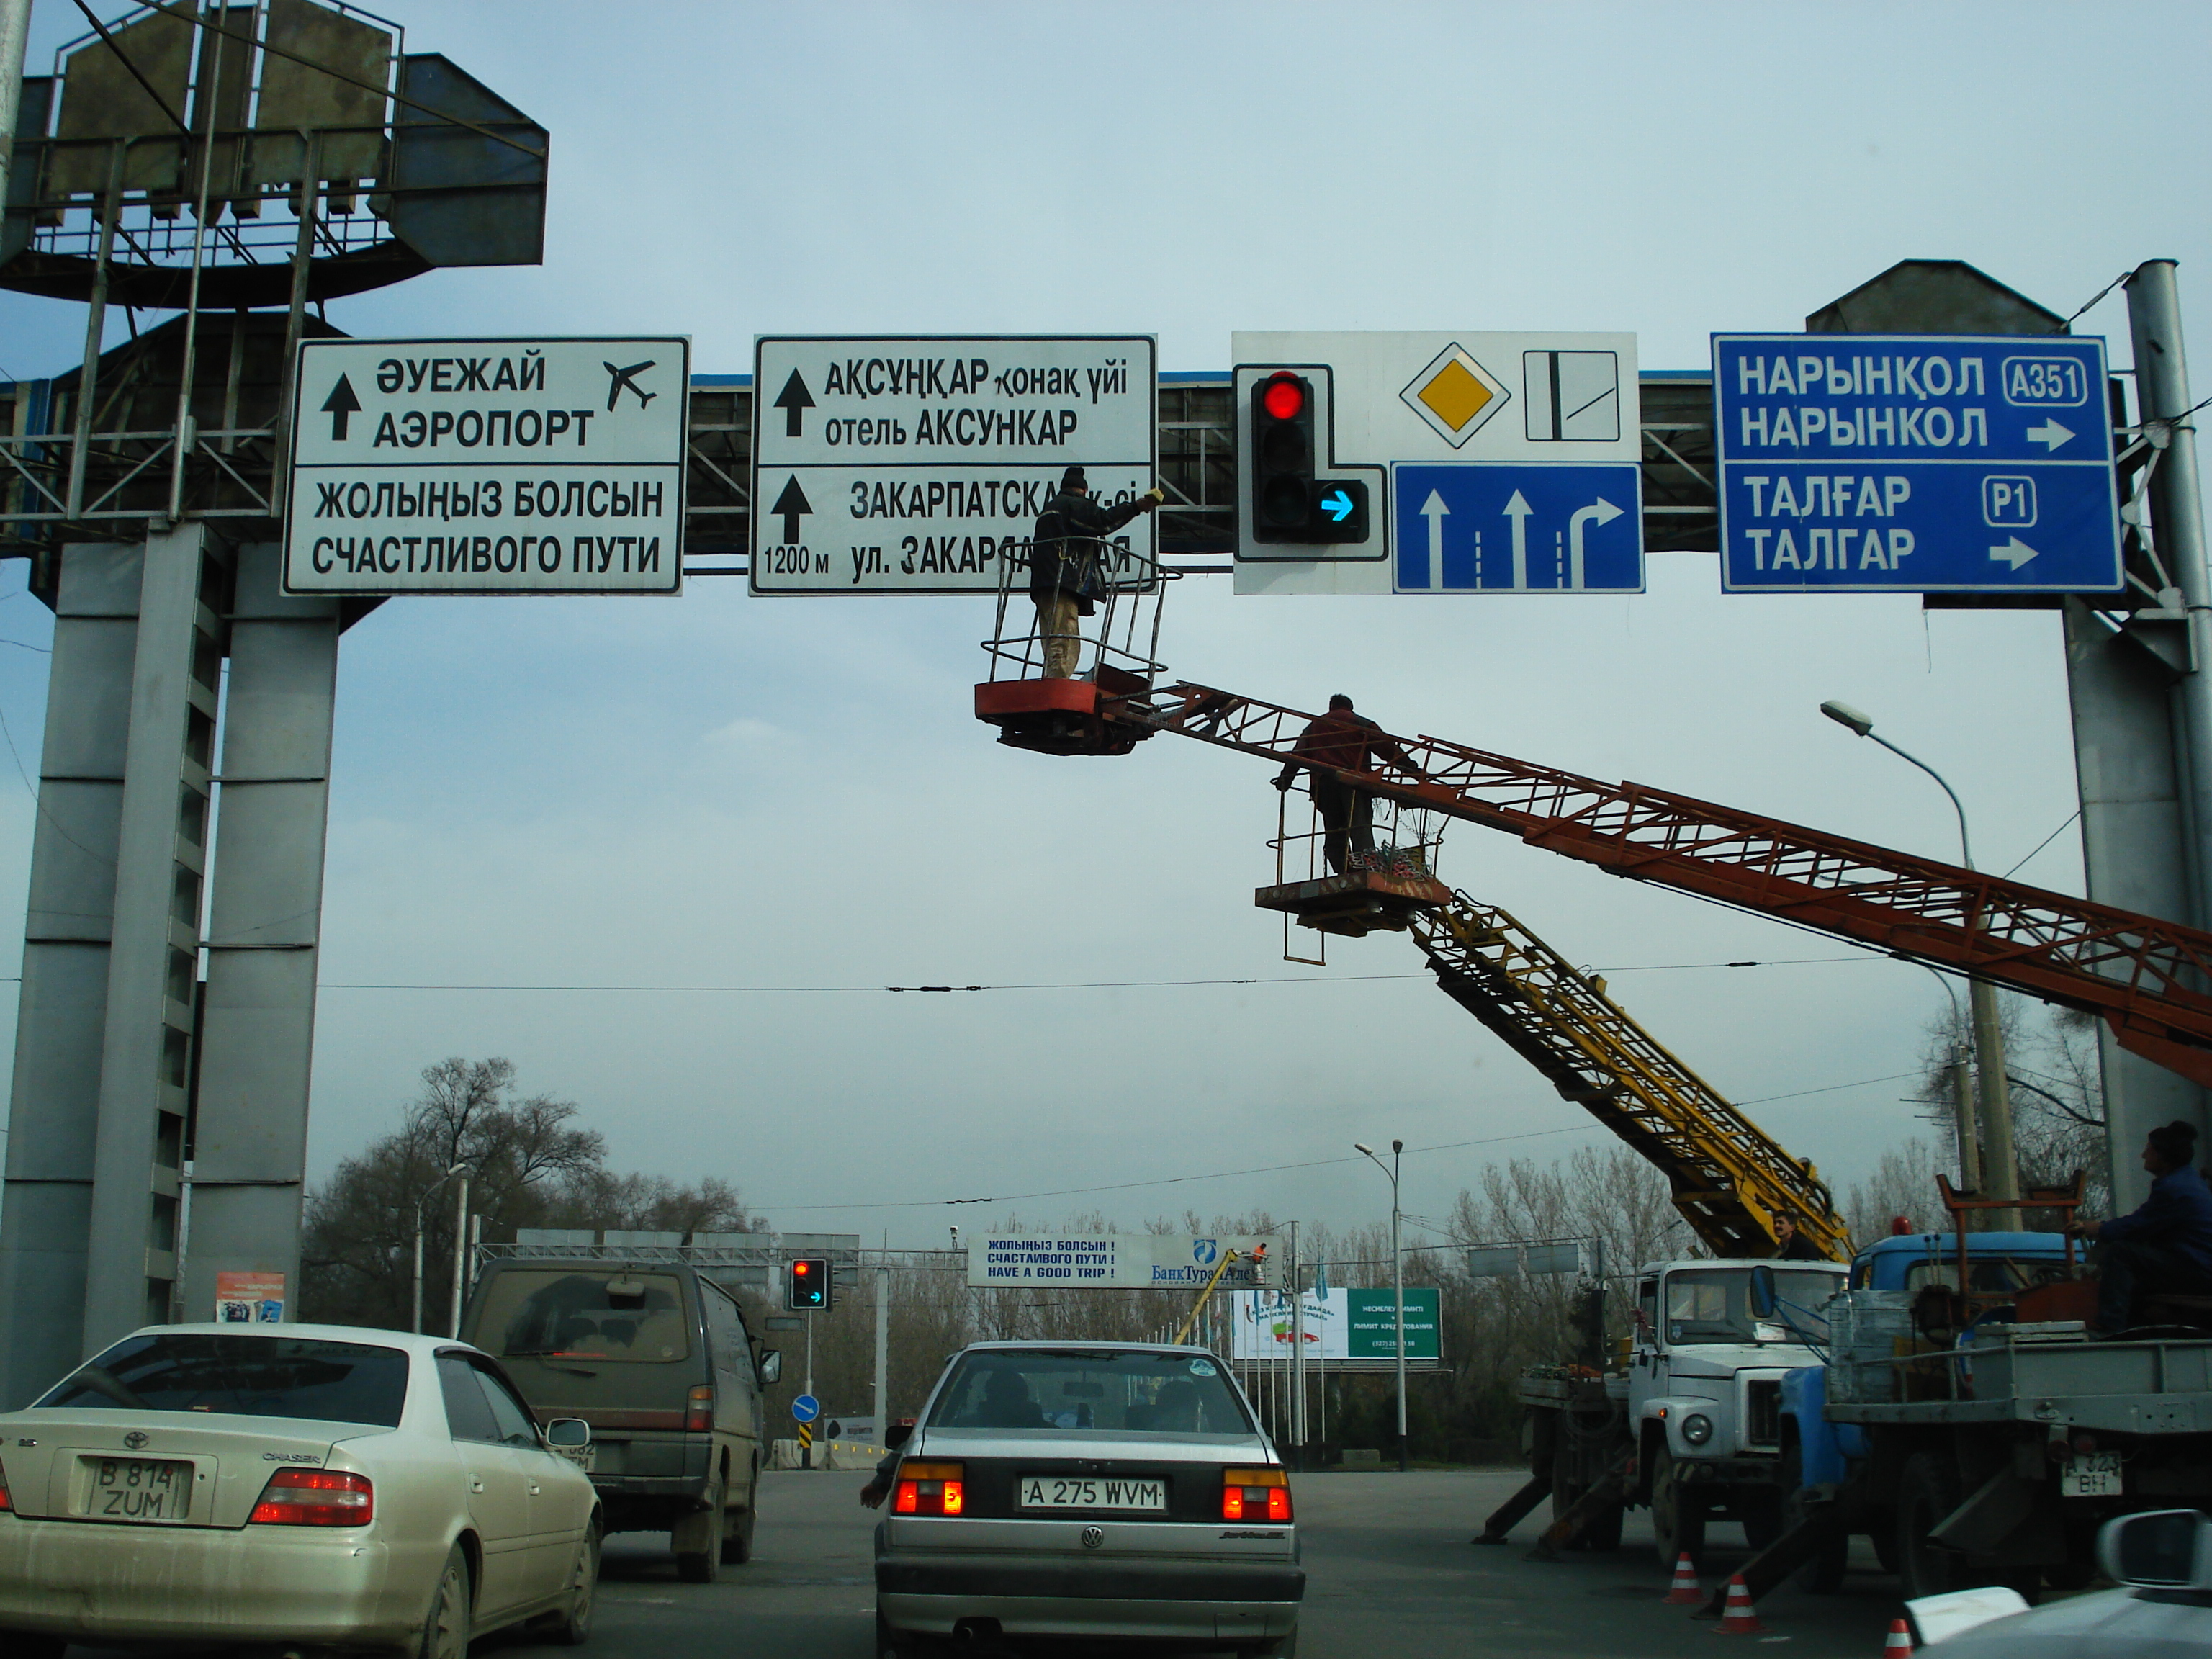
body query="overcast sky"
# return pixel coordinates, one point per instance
(720, 790)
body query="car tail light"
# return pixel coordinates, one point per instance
(4, 1504)
(699, 1409)
(931, 1489)
(315, 1498)
(1255, 1495)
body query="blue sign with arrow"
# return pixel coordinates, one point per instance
(1915, 464)
(1516, 527)
(806, 1408)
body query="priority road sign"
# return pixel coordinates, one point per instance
(488, 466)
(1915, 463)
(920, 465)
(1509, 527)
(806, 1408)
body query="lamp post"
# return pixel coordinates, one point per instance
(428, 1193)
(2001, 1168)
(1397, 1278)
(1962, 1093)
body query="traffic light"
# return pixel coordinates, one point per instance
(806, 1284)
(1289, 503)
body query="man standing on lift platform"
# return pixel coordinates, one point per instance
(1066, 568)
(1342, 741)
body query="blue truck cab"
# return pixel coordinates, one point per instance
(1995, 1263)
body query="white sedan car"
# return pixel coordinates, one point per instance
(293, 1484)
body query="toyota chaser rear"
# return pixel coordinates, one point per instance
(1089, 1490)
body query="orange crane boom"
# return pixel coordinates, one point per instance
(2136, 973)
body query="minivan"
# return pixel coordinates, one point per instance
(657, 1358)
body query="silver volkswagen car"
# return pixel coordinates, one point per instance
(1088, 1490)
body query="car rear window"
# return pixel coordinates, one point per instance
(1085, 1391)
(604, 1317)
(244, 1375)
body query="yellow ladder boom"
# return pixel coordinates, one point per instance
(1728, 1177)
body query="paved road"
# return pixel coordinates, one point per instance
(1390, 1573)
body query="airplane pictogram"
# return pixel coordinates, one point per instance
(625, 380)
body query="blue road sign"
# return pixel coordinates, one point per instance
(1914, 464)
(806, 1408)
(1516, 527)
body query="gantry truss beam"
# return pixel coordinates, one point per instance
(1729, 1178)
(2136, 973)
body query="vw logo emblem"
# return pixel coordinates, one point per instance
(1093, 1537)
(135, 1438)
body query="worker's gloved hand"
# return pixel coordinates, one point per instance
(1152, 497)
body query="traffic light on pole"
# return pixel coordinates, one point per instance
(1288, 503)
(806, 1284)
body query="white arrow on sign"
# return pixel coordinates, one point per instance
(2016, 552)
(1601, 510)
(2050, 434)
(1435, 511)
(1518, 510)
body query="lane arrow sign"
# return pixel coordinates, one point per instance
(1518, 510)
(2016, 552)
(1435, 511)
(793, 400)
(1601, 510)
(792, 504)
(339, 405)
(2050, 434)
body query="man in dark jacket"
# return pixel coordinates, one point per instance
(1342, 741)
(1066, 564)
(1790, 1243)
(2166, 1245)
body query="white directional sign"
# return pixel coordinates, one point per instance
(1511, 461)
(1119, 1261)
(916, 465)
(488, 466)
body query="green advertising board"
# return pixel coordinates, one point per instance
(1369, 1332)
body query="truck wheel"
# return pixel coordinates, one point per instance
(1678, 1513)
(1759, 1513)
(1881, 1532)
(1927, 1492)
(698, 1541)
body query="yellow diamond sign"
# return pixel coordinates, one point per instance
(1455, 395)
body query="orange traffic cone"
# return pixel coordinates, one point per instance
(1899, 1642)
(1686, 1591)
(1739, 1617)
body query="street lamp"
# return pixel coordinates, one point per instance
(2002, 1170)
(1397, 1278)
(461, 1170)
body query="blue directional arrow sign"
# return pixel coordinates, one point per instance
(806, 1408)
(1915, 464)
(1516, 526)
(1338, 504)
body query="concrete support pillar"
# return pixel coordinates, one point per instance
(265, 915)
(2134, 842)
(45, 1218)
(153, 966)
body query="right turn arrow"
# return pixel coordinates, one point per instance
(2016, 552)
(2050, 434)
(791, 505)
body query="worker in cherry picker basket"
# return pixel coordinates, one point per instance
(1067, 564)
(2166, 1244)
(1342, 741)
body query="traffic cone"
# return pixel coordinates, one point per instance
(1686, 1591)
(1898, 1645)
(1739, 1617)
